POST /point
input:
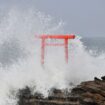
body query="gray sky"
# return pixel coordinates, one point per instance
(83, 17)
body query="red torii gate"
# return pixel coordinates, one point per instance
(43, 43)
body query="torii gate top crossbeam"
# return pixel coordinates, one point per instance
(57, 36)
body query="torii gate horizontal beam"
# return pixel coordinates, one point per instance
(57, 36)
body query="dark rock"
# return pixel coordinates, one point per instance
(38, 96)
(23, 95)
(103, 78)
(87, 93)
(88, 101)
(96, 79)
(77, 91)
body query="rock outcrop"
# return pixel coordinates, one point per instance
(87, 93)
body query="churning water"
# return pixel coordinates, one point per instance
(20, 56)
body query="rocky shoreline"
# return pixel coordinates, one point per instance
(86, 93)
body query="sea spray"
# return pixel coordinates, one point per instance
(20, 52)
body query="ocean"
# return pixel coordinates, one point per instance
(95, 44)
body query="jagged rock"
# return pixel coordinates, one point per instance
(88, 101)
(24, 94)
(103, 78)
(91, 92)
(87, 93)
(96, 79)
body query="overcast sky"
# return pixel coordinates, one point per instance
(83, 17)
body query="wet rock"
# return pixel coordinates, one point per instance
(88, 101)
(24, 94)
(103, 78)
(96, 79)
(86, 93)
(91, 92)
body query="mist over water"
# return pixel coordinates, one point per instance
(20, 56)
(94, 44)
